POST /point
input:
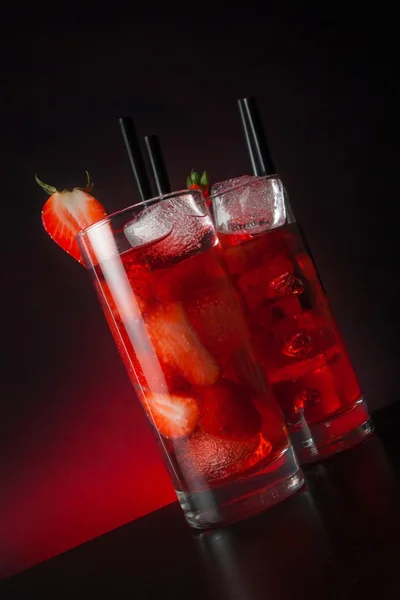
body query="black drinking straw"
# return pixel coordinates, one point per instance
(135, 157)
(260, 156)
(255, 166)
(157, 165)
(257, 145)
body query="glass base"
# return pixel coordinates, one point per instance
(342, 431)
(245, 497)
(303, 443)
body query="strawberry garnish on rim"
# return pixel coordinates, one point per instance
(66, 213)
(198, 182)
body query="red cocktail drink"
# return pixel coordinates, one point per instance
(293, 331)
(178, 323)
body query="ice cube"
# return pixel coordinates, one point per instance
(299, 345)
(223, 186)
(285, 285)
(175, 227)
(152, 225)
(248, 204)
(214, 458)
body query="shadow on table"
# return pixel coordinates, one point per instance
(357, 495)
(266, 556)
(336, 539)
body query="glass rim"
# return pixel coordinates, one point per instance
(254, 178)
(144, 203)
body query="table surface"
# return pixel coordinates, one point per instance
(338, 538)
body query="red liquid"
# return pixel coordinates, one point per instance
(293, 331)
(185, 344)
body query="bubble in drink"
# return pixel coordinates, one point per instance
(250, 209)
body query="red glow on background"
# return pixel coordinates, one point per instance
(97, 470)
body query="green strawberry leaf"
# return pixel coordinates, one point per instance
(204, 180)
(195, 177)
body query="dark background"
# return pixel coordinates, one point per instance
(76, 456)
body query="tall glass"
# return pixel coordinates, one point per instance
(178, 324)
(293, 330)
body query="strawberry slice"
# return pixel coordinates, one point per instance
(217, 317)
(66, 213)
(177, 344)
(174, 415)
(227, 413)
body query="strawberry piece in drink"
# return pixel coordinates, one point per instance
(218, 320)
(175, 416)
(177, 344)
(226, 412)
